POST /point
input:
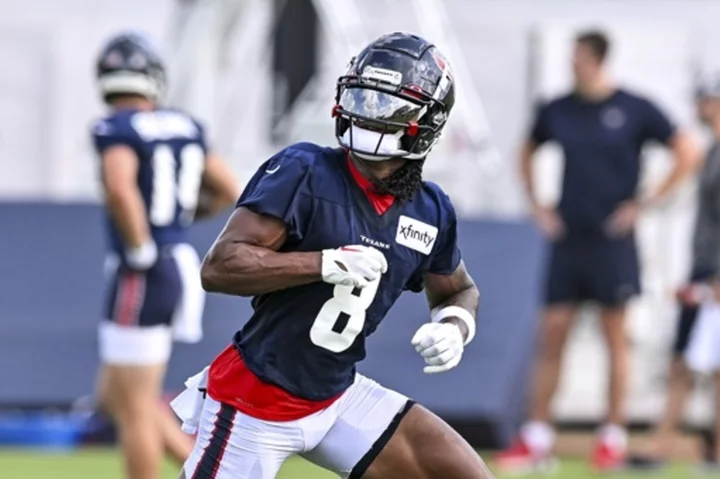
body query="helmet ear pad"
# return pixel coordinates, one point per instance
(425, 138)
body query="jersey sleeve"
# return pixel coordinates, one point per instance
(446, 253)
(540, 130)
(111, 132)
(657, 126)
(279, 189)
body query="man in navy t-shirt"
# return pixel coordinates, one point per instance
(601, 130)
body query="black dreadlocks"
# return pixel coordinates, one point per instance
(403, 183)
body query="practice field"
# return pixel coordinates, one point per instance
(104, 464)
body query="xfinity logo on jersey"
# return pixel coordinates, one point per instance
(416, 235)
(375, 243)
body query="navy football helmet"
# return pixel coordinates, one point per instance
(394, 100)
(128, 64)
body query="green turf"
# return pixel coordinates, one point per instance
(105, 464)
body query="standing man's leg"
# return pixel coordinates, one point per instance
(533, 448)
(716, 429)
(679, 386)
(130, 395)
(614, 278)
(613, 326)
(554, 331)
(135, 342)
(187, 328)
(176, 443)
(538, 434)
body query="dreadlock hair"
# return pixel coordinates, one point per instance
(403, 183)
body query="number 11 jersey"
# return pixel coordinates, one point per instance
(170, 148)
(306, 340)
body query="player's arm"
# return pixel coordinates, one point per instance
(540, 132)
(527, 152)
(546, 218)
(456, 290)
(126, 205)
(453, 300)
(687, 157)
(219, 188)
(244, 260)
(685, 151)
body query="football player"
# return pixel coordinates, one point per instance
(153, 162)
(325, 240)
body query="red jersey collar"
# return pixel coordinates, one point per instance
(380, 201)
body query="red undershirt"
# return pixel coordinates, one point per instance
(231, 382)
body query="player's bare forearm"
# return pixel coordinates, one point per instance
(122, 195)
(128, 212)
(687, 158)
(247, 270)
(456, 289)
(244, 260)
(219, 189)
(526, 170)
(211, 204)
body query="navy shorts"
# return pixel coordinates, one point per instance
(146, 311)
(688, 317)
(144, 298)
(601, 270)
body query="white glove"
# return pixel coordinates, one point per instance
(143, 257)
(355, 265)
(440, 344)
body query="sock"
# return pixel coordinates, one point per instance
(539, 437)
(614, 436)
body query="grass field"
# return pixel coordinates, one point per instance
(105, 464)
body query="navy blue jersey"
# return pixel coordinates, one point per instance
(602, 142)
(170, 147)
(307, 339)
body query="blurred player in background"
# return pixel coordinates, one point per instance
(154, 162)
(705, 269)
(326, 240)
(601, 129)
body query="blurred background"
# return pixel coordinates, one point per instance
(261, 75)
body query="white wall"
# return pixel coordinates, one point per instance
(59, 39)
(48, 99)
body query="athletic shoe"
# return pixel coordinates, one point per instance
(606, 458)
(520, 459)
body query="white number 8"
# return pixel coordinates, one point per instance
(348, 305)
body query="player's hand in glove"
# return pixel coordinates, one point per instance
(440, 344)
(355, 265)
(143, 257)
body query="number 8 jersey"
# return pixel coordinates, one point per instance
(306, 340)
(170, 147)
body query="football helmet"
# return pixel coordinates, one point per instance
(394, 99)
(128, 64)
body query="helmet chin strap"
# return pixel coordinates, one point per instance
(367, 141)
